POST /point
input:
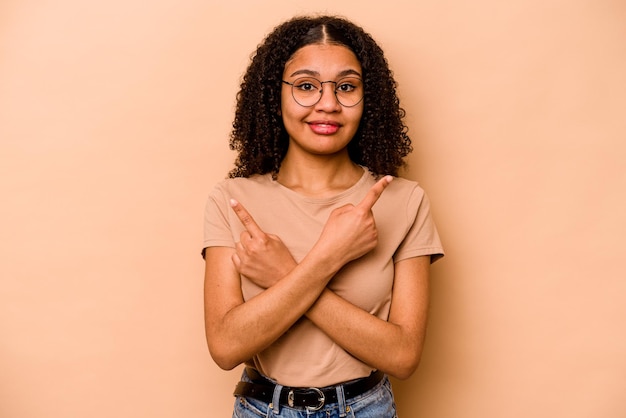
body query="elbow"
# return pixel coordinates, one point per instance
(224, 356)
(404, 371)
(405, 365)
(224, 362)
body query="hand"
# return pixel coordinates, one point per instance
(262, 258)
(350, 231)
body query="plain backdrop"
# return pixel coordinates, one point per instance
(114, 123)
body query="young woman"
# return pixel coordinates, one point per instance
(317, 258)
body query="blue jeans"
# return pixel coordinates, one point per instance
(377, 402)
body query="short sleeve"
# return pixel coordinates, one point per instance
(217, 228)
(422, 237)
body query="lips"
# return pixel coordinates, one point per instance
(324, 127)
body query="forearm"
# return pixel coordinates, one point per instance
(391, 348)
(237, 330)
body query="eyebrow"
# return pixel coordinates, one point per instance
(343, 73)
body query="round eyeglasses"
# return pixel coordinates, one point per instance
(307, 91)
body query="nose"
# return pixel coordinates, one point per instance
(328, 102)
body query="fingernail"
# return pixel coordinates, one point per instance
(233, 203)
(389, 178)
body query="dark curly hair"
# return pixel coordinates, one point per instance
(259, 136)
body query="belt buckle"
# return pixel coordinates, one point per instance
(321, 400)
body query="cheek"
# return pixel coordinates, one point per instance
(357, 115)
(285, 98)
(291, 111)
(290, 119)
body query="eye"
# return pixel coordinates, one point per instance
(346, 87)
(306, 85)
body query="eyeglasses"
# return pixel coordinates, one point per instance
(307, 91)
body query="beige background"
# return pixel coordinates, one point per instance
(114, 119)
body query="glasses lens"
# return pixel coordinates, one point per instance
(306, 91)
(349, 91)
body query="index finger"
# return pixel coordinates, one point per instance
(245, 218)
(374, 193)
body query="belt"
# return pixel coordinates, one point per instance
(312, 399)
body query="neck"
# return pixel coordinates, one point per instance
(318, 176)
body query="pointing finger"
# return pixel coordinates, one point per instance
(374, 193)
(245, 218)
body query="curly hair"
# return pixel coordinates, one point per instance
(259, 136)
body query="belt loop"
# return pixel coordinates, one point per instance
(276, 399)
(341, 399)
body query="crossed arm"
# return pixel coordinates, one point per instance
(237, 330)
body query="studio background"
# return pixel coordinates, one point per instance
(114, 123)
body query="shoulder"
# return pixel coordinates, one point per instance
(242, 184)
(254, 192)
(399, 189)
(404, 186)
(402, 200)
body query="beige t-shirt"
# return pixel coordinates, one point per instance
(304, 355)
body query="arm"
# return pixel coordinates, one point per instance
(392, 346)
(236, 330)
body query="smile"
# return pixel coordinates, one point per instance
(324, 128)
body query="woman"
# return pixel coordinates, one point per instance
(317, 259)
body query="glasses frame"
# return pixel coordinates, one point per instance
(321, 91)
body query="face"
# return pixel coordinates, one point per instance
(327, 127)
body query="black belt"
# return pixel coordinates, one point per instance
(312, 399)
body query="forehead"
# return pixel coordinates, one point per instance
(326, 60)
